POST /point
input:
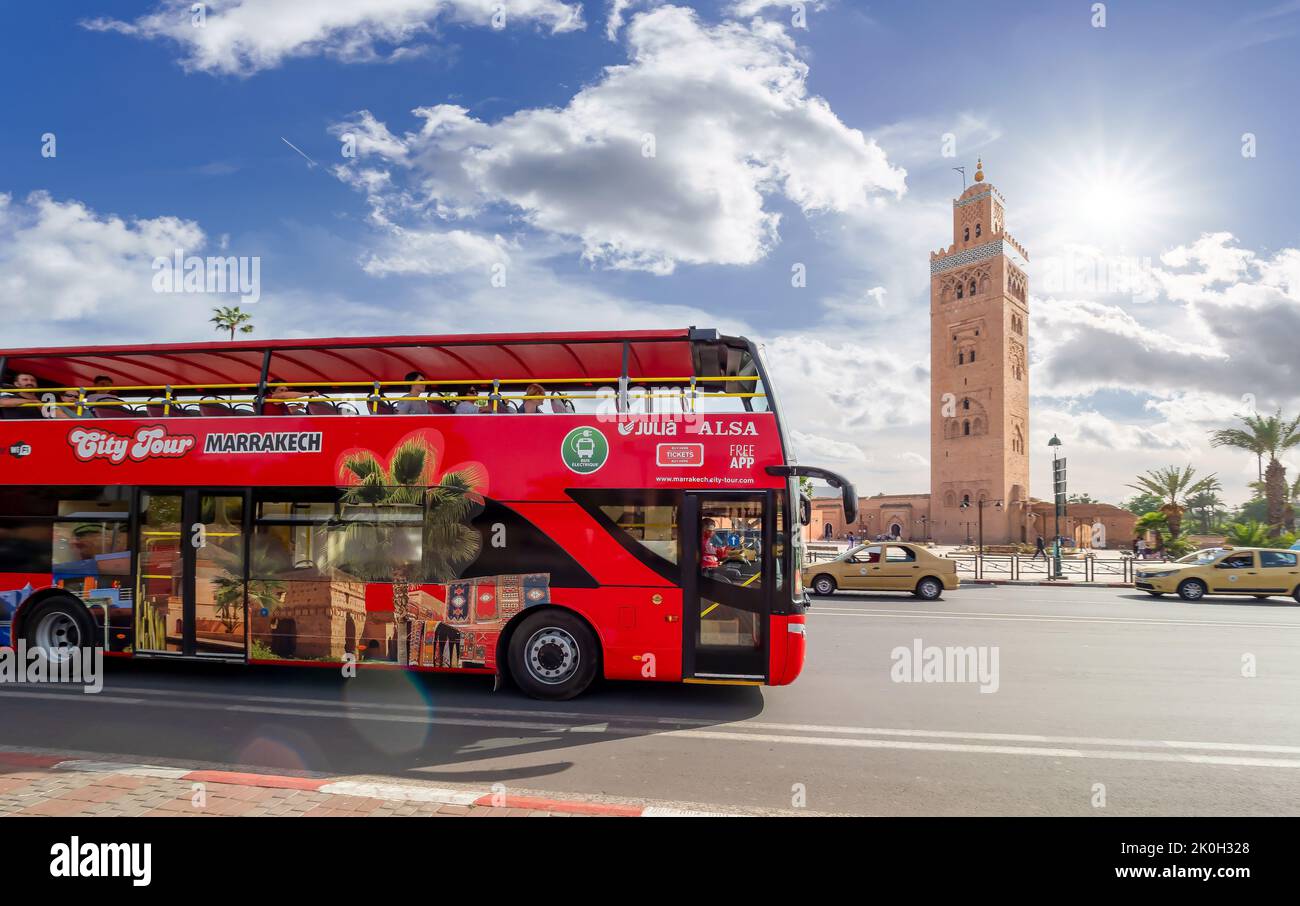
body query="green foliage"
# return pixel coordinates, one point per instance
(262, 651)
(1247, 534)
(1142, 503)
(1152, 521)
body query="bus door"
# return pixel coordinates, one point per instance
(728, 578)
(191, 582)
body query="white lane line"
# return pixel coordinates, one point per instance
(1040, 618)
(1106, 754)
(744, 730)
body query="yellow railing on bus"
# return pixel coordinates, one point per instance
(186, 395)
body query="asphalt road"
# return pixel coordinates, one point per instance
(1103, 695)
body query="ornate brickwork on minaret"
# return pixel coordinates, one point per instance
(979, 374)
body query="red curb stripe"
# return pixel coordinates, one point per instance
(31, 761)
(560, 805)
(274, 781)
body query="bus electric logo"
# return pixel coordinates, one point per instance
(20, 449)
(584, 450)
(146, 443)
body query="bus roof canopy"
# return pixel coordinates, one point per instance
(593, 355)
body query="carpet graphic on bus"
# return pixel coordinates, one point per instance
(452, 626)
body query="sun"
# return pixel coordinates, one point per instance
(1110, 199)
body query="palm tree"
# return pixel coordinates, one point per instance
(232, 319)
(259, 590)
(1172, 486)
(1205, 504)
(1268, 435)
(399, 525)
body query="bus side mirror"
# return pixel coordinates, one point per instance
(805, 509)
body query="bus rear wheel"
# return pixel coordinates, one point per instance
(58, 627)
(553, 655)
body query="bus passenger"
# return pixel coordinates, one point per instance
(276, 395)
(535, 394)
(25, 384)
(468, 406)
(418, 388)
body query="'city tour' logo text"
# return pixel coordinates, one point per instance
(147, 443)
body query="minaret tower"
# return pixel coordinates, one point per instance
(979, 375)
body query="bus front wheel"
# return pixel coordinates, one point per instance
(58, 627)
(553, 655)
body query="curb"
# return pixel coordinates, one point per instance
(341, 786)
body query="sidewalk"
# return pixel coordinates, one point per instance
(36, 782)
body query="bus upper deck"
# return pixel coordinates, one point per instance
(642, 372)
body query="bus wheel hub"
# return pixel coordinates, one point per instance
(552, 655)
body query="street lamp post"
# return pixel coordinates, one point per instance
(979, 507)
(1058, 503)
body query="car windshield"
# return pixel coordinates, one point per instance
(1201, 557)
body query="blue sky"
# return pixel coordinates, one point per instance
(776, 145)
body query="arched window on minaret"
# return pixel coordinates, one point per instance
(972, 287)
(965, 428)
(972, 356)
(977, 230)
(965, 235)
(960, 291)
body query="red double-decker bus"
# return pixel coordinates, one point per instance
(543, 507)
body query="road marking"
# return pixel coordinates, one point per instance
(908, 739)
(1041, 618)
(1107, 754)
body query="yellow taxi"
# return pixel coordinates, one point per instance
(1257, 571)
(884, 566)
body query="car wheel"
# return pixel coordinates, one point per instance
(553, 655)
(59, 627)
(1192, 590)
(824, 585)
(929, 589)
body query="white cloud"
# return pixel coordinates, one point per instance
(667, 159)
(242, 37)
(405, 251)
(69, 272)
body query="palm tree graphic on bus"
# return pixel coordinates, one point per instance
(585, 450)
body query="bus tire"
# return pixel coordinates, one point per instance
(929, 589)
(823, 584)
(59, 623)
(553, 655)
(1192, 590)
